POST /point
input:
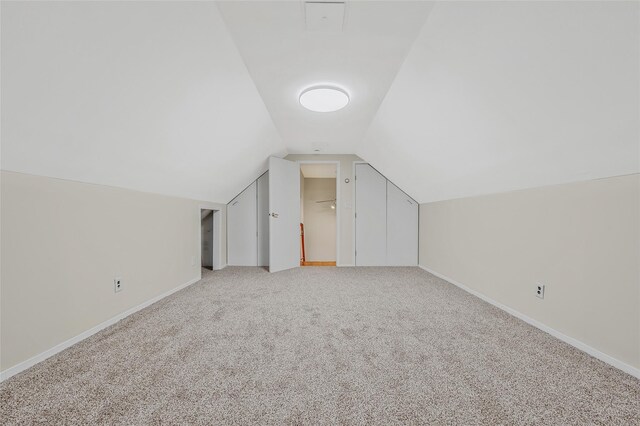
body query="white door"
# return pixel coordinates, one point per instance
(371, 217)
(242, 242)
(284, 210)
(402, 228)
(263, 220)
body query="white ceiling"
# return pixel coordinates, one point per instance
(190, 99)
(151, 96)
(284, 58)
(318, 170)
(498, 96)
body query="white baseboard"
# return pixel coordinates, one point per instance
(555, 333)
(4, 375)
(220, 268)
(345, 265)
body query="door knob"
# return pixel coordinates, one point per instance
(274, 215)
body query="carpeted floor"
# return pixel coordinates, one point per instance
(321, 346)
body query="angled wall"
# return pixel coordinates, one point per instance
(150, 96)
(508, 95)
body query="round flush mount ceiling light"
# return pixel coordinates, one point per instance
(324, 98)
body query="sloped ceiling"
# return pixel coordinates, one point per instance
(448, 100)
(151, 96)
(498, 96)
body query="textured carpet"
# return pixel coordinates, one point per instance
(321, 346)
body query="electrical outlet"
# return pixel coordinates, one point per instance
(540, 291)
(117, 284)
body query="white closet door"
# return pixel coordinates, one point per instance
(242, 242)
(402, 228)
(263, 220)
(371, 217)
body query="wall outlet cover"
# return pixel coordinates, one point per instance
(540, 291)
(117, 284)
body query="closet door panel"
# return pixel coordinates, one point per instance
(242, 241)
(263, 220)
(402, 228)
(371, 220)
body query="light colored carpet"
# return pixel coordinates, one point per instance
(321, 346)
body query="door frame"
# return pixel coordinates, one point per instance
(218, 262)
(211, 217)
(338, 200)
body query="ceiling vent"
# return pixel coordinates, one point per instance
(324, 16)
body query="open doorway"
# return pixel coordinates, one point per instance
(206, 239)
(318, 213)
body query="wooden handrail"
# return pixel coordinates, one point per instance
(303, 258)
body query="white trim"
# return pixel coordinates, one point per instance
(221, 267)
(555, 333)
(4, 375)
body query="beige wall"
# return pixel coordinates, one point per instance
(63, 243)
(319, 220)
(581, 240)
(345, 231)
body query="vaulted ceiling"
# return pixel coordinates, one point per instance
(448, 99)
(284, 57)
(151, 96)
(499, 96)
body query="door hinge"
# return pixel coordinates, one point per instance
(356, 214)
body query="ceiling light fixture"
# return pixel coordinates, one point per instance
(324, 98)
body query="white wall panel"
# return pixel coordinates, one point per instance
(371, 216)
(402, 228)
(242, 228)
